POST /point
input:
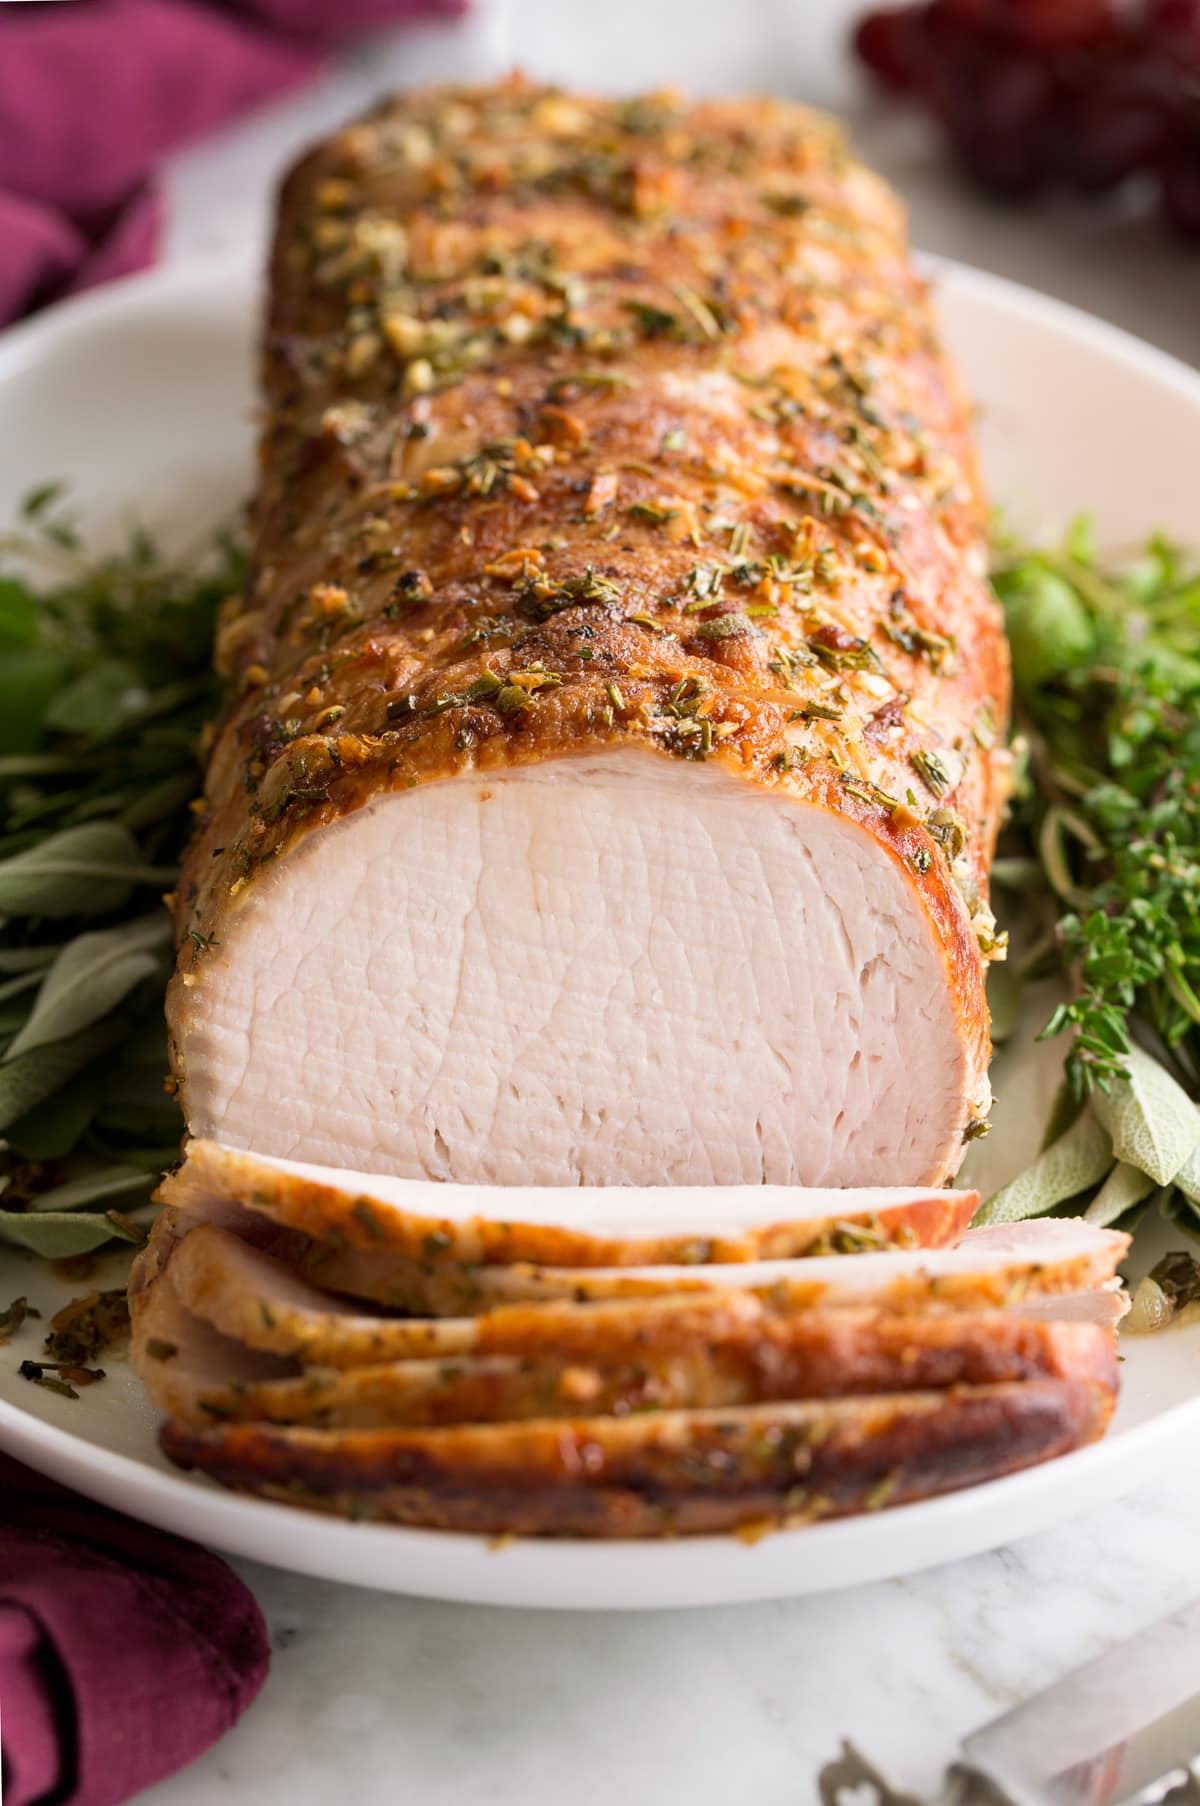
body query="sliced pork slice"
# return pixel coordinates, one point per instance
(999, 1266)
(255, 1299)
(614, 748)
(188, 1368)
(560, 1226)
(1105, 1304)
(197, 1375)
(663, 1472)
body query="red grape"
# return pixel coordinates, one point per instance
(1173, 28)
(1003, 130)
(1114, 126)
(1042, 23)
(1181, 191)
(890, 44)
(1081, 93)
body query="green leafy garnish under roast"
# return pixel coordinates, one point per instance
(1106, 657)
(106, 686)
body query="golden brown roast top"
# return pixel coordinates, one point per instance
(593, 422)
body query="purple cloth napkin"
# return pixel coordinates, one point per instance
(94, 92)
(124, 1651)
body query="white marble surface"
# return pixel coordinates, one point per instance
(374, 1699)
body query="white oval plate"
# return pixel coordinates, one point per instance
(140, 397)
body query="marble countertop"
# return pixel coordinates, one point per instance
(375, 1699)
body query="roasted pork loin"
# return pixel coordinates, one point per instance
(579, 1010)
(609, 779)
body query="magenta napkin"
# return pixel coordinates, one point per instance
(93, 93)
(124, 1651)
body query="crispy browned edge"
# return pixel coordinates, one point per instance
(675, 1473)
(801, 1360)
(357, 1219)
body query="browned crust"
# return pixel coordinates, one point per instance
(678, 1472)
(440, 1287)
(752, 381)
(214, 1174)
(811, 1356)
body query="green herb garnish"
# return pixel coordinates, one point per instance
(1105, 859)
(1107, 666)
(106, 684)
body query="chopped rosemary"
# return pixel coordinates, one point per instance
(930, 770)
(655, 322)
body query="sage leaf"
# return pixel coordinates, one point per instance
(90, 1187)
(1153, 1122)
(1077, 1160)
(52, 1128)
(90, 977)
(58, 1235)
(27, 959)
(35, 1075)
(29, 678)
(84, 871)
(1124, 1187)
(100, 698)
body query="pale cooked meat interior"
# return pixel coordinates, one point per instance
(597, 972)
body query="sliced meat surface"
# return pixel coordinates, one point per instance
(188, 1368)
(254, 1299)
(1105, 1304)
(996, 1266)
(559, 1226)
(663, 1472)
(614, 744)
(196, 1375)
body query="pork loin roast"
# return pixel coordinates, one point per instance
(602, 811)
(609, 777)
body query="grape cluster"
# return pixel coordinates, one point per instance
(1041, 93)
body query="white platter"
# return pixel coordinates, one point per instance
(141, 398)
